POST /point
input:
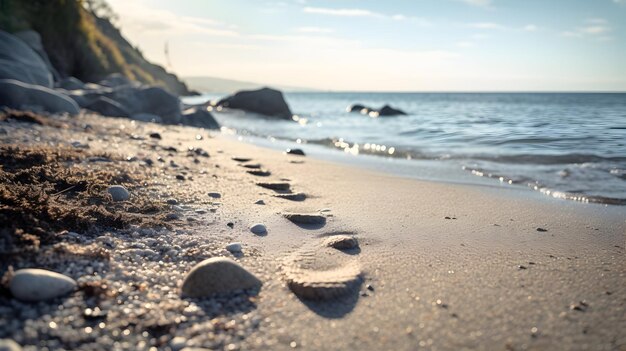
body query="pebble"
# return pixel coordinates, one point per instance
(172, 202)
(542, 230)
(180, 177)
(298, 152)
(9, 345)
(178, 343)
(155, 136)
(342, 242)
(234, 247)
(305, 218)
(172, 216)
(215, 195)
(259, 202)
(217, 275)
(230, 225)
(32, 285)
(258, 229)
(118, 193)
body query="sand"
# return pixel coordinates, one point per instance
(439, 266)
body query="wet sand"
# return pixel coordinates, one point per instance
(439, 266)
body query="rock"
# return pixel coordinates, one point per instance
(178, 343)
(151, 100)
(199, 117)
(215, 195)
(258, 229)
(22, 96)
(234, 247)
(20, 62)
(107, 107)
(390, 111)
(9, 345)
(155, 135)
(70, 83)
(33, 40)
(259, 202)
(118, 193)
(275, 186)
(358, 108)
(265, 101)
(292, 197)
(341, 242)
(217, 275)
(116, 80)
(305, 218)
(34, 285)
(295, 152)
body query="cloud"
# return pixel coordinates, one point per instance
(530, 28)
(341, 12)
(479, 3)
(593, 27)
(486, 25)
(314, 30)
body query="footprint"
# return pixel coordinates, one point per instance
(259, 173)
(241, 159)
(305, 218)
(251, 165)
(278, 186)
(292, 197)
(322, 273)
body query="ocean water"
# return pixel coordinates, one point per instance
(565, 145)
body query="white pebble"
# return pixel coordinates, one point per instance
(118, 193)
(34, 285)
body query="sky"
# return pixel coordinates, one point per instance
(375, 45)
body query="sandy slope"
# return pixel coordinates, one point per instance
(483, 279)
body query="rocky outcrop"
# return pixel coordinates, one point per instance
(33, 40)
(22, 96)
(19, 62)
(199, 117)
(107, 107)
(264, 101)
(381, 112)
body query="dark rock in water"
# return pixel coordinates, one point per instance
(390, 111)
(358, 108)
(70, 83)
(265, 101)
(20, 62)
(295, 152)
(22, 96)
(217, 275)
(275, 186)
(107, 107)
(199, 117)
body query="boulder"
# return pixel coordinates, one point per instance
(19, 62)
(70, 83)
(199, 117)
(23, 96)
(107, 107)
(390, 111)
(217, 275)
(116, 80)
(358, 108)
(33, 40)
(34, 285)
(265, 101)
(153, 100)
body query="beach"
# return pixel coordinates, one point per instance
(438, 265)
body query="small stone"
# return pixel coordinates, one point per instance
(172, 216)
(217, 275)
(230, 225)
(521, 267)
(172, 202)
(542, 230)
(234, 247)
(118, 193)
(342, 242)
(155, 135)
(32, 285)
(9, 345)
(369, 287)
(178, 343)
(259, 202)
(215, 195)
(258, 229)
(298, 152)
(180, 177)
(305, 218)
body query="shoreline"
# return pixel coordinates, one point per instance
(440, 266)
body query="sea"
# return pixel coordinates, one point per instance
(570, 146)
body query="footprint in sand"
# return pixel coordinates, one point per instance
(276, 186)
(251, 165)
(241, 159)
(259, 173)
(321, 272)
(292, 197)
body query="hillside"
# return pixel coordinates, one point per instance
(222, 85)
(81, 44)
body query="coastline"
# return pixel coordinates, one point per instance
(484, 277)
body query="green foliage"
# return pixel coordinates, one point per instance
(81, 41)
